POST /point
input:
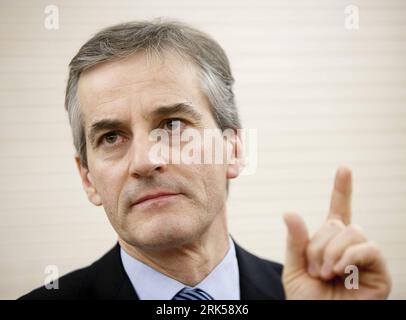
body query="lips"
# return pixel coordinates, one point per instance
(156, 195)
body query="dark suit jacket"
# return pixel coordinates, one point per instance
(107, 279)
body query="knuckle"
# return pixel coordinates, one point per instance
(335, 224)
(355, 231)
(329, 253)
(313, 251)
(350, 253)
(374, 248)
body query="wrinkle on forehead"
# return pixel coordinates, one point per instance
(114, 80)
(139, 88)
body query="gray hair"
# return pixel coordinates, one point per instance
(155, 37)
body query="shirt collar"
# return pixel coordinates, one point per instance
(222, 283)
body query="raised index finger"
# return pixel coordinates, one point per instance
(340, 205)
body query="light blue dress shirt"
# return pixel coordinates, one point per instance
(222, 283)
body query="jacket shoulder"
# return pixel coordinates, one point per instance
(271, 267)
(85, 283)
(260, 279)
(70, 286)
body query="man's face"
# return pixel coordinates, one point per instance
(122, 102)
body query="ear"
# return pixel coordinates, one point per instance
(87, 183)
(236, 162)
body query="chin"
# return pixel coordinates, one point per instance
(165, 233)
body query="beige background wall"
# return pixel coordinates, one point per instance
(320, 96)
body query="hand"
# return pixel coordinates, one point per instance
(315, 268)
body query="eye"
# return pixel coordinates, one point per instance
(110, 138)
(173, 124)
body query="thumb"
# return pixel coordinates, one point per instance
(296, 241)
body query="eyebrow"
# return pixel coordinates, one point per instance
(162, 111)
(177, 108)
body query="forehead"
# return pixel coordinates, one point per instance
(138, 84)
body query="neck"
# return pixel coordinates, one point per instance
(191, 262)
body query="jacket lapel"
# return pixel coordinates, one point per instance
(110, 281)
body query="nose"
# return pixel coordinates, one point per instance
(143, 164)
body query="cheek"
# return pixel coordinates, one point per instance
(218, 180)
(211, 182)
(109, 181)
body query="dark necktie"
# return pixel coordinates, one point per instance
(192, 294)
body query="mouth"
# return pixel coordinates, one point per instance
(155, 198)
